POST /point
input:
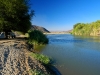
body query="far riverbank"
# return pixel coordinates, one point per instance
(57, 33)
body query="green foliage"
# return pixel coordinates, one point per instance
(76, 25)
(42, 58)
(92, 29)
(36, 72)
(37, 38)
(15, 15)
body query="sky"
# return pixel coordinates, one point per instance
(61, 15)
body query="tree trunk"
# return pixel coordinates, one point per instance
(6, 35)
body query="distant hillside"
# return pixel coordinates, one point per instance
(60, 32)
(69, 31)
(42, 29)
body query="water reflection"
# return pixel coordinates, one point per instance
(89, 38)
(74, 55)
(39, 48)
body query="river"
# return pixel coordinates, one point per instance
(74, 55)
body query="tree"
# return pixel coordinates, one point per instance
(15, 15)
(92, 29)
(76, 25)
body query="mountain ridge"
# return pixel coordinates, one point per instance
(42, 29)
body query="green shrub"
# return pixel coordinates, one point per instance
(40, 57)
(36, 37)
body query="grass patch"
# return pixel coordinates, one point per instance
(40, 57)
(36, 72)
(47, 62)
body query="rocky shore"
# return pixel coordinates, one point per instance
(15, 59)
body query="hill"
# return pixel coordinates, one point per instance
(42, 29)
(69, 31)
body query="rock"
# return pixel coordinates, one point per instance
(42, 29)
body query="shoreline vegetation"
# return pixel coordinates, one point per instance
(37, 38)
(89, 29)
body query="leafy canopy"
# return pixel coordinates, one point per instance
(15, 15)
(91, 29)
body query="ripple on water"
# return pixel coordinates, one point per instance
(78, 55)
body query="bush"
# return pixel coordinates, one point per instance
(36, 38)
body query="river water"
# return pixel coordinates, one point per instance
(74, 55)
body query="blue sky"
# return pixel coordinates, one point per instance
(61, 15)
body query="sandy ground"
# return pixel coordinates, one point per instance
(14, 59)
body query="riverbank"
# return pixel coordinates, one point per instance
(15, 59)
(57, 33)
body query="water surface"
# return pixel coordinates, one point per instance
(74, 55)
